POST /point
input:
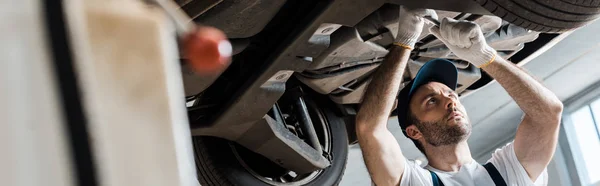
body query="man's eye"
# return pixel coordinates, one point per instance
(431, 101)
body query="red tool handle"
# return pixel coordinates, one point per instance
(207, 50)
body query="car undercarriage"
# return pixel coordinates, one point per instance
(296, 60)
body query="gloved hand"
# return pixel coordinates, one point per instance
(465, 40)
(410, 25)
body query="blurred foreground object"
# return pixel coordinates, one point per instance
(129, 75)
(206, 48)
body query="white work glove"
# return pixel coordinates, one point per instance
(465, 40)
(410, 25)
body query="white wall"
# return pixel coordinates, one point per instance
(356, 172)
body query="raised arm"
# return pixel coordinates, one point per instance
(537, 134)
(381, 152)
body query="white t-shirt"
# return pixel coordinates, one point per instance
(471, 174)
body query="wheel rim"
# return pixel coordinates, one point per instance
(291, 178)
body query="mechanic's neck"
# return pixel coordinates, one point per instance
(449, 157)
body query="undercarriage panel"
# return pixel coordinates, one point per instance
(240, 18)
(340, 70)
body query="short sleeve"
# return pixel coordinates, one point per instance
(511, 170)
(415, 175)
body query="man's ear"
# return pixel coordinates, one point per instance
(413, 132)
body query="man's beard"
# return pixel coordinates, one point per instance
(440, 132)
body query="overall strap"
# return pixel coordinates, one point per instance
(496, 177)
(435, 179)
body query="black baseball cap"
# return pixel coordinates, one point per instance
(437, 70)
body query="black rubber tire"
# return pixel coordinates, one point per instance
(553, 16)
(217, 165)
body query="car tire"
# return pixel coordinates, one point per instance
(545, 15)
(218, 162)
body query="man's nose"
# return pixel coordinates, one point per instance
(450, 103)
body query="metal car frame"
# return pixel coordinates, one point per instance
(243, 118)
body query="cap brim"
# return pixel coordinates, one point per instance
(438, 70)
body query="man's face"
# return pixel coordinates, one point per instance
(438, 115)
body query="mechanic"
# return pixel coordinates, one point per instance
(431, 115)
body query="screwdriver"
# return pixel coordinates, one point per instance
(207, 49)
(432, 20)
